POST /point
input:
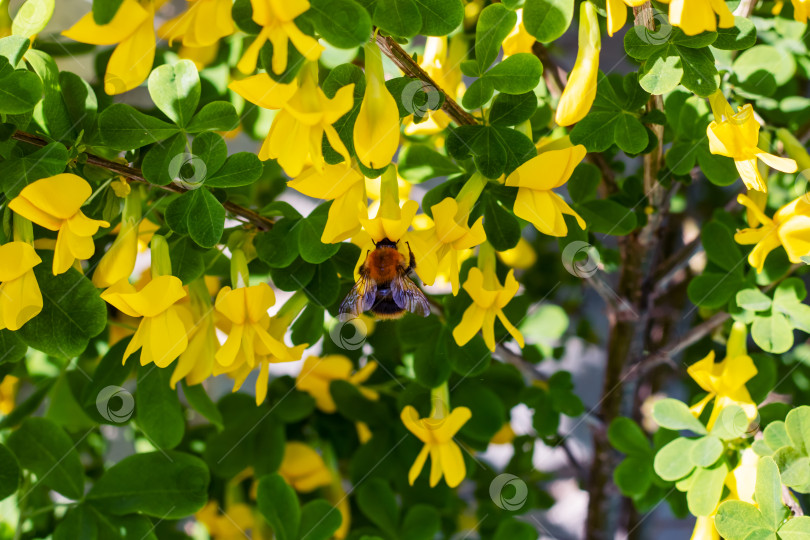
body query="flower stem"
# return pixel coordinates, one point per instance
(23, 230)
(240, 277)
(161, 262)
(440, 401)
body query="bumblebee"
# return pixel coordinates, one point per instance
(384, 287)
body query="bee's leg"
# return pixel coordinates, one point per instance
(411, 259)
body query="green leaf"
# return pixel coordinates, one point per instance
(511, 110)
(712, 290)
(78, 522)
(740, 36)
(489, 152)
(165, 485)
(212, 149)
(12, 346)
(431, 362)
(206, 219)
(198, 398)
(44, 448)
(440, 17)
(517, 74)
(697, 41)
(163, 162)
(675, 415)
(772, 333)
(547, 20)
(797, 424)
(378, 503)
(596, 131)
(324, 286)
(626, 436)
(731, 423)
(187, 259)
(399, 18)
(706, 451)
(420, 162)
(32, 17)
(735, 520)
(240, 169)
(630, 135)
(633, 476)
(776, 436)
(214, 116)
(345, 24)
(309, 231)
(494, 23)
(699, 73)
(662, 71)
(131, 527)
(278, 247)
(9, 472)
(760, 58)
(124, 128)
(720, 246)
(158, 411)
(607, 217)
(768, 493)
(175, 89)
(753, 299)
(278, 504)
(796, 528)
(478, 94)
(20, 91)
(673, 461)
(794, 468)
(501, 226)
(319, 520)
(512, 529)
(308, 327)
(13, 48)
(72, 312)
(706, 488)
(420, 522)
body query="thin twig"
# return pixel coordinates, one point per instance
(135, 175)
(409, 67)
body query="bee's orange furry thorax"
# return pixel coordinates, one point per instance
(383, 264)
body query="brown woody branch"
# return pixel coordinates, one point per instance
(409, 67)
(135, 175)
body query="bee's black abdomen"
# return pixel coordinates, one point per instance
(386, 308)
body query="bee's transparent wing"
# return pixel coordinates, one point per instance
(359, 299)
(408, 296)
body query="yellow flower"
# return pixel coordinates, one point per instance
(535, 179)
(119, 261)
(204, 23)
(255, 338)
(725, 381)
(318, 373)
(196, 363)
(437, 432)
(133, 30)
(580, 91)
(696, 16)
(345, 186)
(790, 228)
(232, 524)
(55, 203)
(519, 40)
(522, 256)
(391, 221)
(505, 435)
(489, 298)
(162, 334)
(276, 17)
(617, 13)
(441, 62)
(304, 468)
(800, 9)
(450, 235)
(704, 529)
(376, 130)
(8, 393)
(20, 298)
(736, 135)
(246, 309)
(296, 135)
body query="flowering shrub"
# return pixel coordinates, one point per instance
(385, 317)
